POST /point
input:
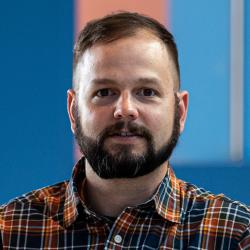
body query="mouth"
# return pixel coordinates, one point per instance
(125, 137)
(125, 134)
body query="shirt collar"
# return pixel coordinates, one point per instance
(72, 197)
(166, 199)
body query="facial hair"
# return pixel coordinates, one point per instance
(123, 163)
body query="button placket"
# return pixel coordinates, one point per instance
(118, 238)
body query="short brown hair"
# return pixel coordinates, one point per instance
(119, 25)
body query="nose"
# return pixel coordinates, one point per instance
(125, 107)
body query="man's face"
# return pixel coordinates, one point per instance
(126, 116)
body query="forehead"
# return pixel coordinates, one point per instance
(139, 56)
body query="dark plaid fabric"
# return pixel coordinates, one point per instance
(178, 216)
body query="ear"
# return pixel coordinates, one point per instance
(71, 106)
(183, 108)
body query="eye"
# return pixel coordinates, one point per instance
(105, 92)
(146, 92)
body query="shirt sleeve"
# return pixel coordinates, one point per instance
(1, 223)
(244, 244)
(1, 244)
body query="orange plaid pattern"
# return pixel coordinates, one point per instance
(178, 216)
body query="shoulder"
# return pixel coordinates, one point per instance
(40, 202)
(216, 212)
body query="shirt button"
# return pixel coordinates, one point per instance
(118, 238)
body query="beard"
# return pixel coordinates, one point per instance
(122, 163)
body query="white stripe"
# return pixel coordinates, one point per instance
(236, 79)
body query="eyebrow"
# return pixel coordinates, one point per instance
(98, 81)
(148, 80)
(141, 80)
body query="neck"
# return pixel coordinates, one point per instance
(111, 196)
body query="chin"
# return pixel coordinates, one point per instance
(119, 149)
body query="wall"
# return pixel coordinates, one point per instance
(36, 53)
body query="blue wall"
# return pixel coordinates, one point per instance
(202, 31)
(202, 36)
(36, 42)
(247, 80)
(36, 53)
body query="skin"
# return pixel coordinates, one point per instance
(132, 80)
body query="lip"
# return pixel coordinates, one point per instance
(126, 139)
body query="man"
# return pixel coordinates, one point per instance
(126, 111)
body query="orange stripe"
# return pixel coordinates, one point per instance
(86, 10)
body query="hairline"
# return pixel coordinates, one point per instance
(132, 34)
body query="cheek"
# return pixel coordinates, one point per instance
(161, 125)
(94, 121)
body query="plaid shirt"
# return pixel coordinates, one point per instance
(178, 216)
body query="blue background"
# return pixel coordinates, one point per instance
(36, 53)
(36, 43)
(202, 31)
(202, 35)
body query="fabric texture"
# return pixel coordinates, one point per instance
(178, 216)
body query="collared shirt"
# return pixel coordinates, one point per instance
(178, 216)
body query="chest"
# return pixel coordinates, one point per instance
(127, 232)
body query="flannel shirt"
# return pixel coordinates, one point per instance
(178, 216)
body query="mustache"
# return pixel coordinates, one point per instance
(129, 127)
